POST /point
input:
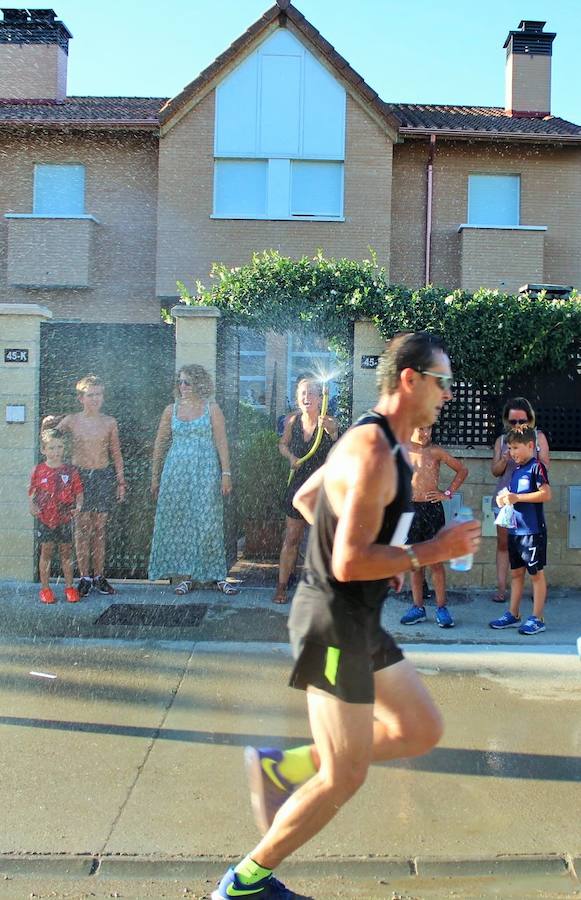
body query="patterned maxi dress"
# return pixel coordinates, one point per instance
(188, 535)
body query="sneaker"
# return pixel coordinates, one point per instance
(46, 596)
(413, 615)
(72, 595)
(85, 586)
(507, 620)
(533, 625)
(269, 888)
(103, 585)
(443, 617)
(268, 789)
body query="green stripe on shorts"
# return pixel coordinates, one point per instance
(332, 664)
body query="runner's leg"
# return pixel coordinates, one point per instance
(343, 735)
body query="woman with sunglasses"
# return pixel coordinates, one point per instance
(188, 535)
(517, 412)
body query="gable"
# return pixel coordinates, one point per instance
(280, 101)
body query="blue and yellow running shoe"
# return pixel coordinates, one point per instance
(269, 888)
(268, 789)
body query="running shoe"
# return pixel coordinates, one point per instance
(414, 615)
(533, 625)
(103, 585)
(269, 888)
(443, 617)
(506, 620)
(46, 595)
(268, 789)
(85, 586)
(72, 595)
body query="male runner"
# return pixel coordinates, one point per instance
(365, 701)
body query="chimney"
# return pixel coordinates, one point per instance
(34, 49)
(528, 70)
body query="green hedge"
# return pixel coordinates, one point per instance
(490, 335)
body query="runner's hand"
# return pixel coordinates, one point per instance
(459, 539)
(396, 582)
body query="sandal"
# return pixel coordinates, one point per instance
(226, 587)
(280, 596)
(184, 587)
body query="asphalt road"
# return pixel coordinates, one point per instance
(122, 774)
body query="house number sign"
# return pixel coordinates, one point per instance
(369, 362)
(15, 355)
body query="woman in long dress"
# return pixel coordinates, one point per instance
(188, 535)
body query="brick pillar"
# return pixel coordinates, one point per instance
(19, 383)
(196, 336)
(366, 342)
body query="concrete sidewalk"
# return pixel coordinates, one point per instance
(251, 616)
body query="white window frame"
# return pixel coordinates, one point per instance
(77, 210)
(279, 177)
(515, 176)
(252, 379)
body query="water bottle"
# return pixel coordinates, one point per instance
(463, 563)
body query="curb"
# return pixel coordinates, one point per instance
(130, 867)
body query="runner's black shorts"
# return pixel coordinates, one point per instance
(345, 674)
(99, 489)
(62, 534)
(527, 550)
(427, 521)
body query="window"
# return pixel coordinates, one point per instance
(59, 190)
(252, 373)
(494, 200)
(279, 140)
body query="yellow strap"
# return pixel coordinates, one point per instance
(332, 664)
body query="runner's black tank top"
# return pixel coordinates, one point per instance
(346, 613)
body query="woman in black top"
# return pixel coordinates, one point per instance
(298, 437)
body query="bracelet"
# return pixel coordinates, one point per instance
(415, 563)
(229, 474)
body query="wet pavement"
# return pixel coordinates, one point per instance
(123, 773)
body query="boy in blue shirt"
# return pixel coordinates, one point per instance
(527, 539)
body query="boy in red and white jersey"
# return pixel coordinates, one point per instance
(56, 497)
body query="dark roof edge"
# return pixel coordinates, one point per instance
(84, 124)
(534, 137)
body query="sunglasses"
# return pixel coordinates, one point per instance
(444, 381)
(184, 381)
(518, 421)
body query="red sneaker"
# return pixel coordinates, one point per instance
(46, 596)
(72, 595)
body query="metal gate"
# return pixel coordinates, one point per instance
(227, 397)
(137, 365)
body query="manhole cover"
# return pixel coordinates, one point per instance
(157, 615)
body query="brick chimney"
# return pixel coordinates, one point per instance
(528, 70)
(34, 49)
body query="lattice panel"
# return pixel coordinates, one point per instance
(469, 419)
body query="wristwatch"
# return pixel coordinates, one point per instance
(448, 494)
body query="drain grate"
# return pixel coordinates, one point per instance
(157, 615)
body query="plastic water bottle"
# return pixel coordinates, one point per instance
(463, 563)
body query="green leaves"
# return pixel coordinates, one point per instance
(490, 335)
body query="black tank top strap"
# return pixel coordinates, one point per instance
(372, 417)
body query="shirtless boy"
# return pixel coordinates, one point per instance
(429, 518)
(97, 456)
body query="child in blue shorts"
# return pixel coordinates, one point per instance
(527, 539)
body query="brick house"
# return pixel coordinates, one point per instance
(105, 202)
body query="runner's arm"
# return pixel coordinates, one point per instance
(305, 498)
(370, 486)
